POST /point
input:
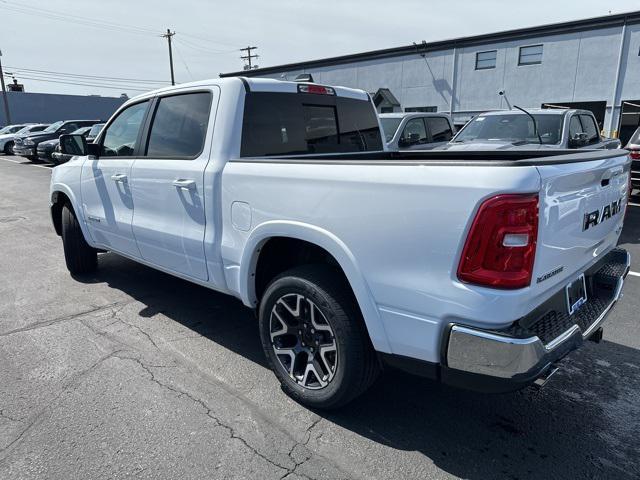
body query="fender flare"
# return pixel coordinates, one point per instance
(332, 244)
(57, 188)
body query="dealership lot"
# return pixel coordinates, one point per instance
(132, 372)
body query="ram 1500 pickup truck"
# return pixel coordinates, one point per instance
(478, 269)
(516, 129)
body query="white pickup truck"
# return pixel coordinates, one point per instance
(477, 269)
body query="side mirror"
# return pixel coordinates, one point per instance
(77, 145)
(578, 140)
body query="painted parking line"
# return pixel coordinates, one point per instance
(26, 163)
(634, 204)
(635, 274)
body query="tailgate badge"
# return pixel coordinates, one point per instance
(550, 274)
(592, 219)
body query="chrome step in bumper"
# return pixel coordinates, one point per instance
(510, 359)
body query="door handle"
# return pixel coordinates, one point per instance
(119, 177)
(184, 184)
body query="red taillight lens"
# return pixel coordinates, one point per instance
(635, 154)
(501, 245)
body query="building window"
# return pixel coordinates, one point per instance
(531, 55)
(486, 60)
(386, 109)
(421, 109)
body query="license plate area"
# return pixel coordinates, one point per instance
(576, 293)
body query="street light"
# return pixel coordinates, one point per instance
(7, 115)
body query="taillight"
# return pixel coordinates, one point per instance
(635, 154)
(318, 89)
(501, 245)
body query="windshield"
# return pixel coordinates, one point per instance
(53, 127)
(11, 129)
(635, 138)
(390, 126)
(513, 128)
(25, 129)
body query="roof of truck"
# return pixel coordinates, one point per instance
(255, 85)
(537, 111)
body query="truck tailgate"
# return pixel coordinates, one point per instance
(581, 212)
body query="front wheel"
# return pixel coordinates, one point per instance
(79, 256)
(315, 339)
(8, 148)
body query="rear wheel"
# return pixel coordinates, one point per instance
(78, 255)
(315, 339)
(8, 148)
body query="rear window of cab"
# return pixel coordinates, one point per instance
(304, 123)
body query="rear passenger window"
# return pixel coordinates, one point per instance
(119, 140)
(440, 129)
(589, 126)
(179, 126)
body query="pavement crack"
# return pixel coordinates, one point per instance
(9, 417)
(36, 419)
(209, 412)
(65, 318)
(141, 331)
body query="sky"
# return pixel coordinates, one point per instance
(109, 47)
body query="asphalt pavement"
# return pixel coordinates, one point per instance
(130, 372)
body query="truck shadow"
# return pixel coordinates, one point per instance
(584, 424)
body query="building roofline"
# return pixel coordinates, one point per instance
(607, 21)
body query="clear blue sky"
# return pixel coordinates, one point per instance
(120, 38)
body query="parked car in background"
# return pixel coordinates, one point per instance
(634, 152)
(416, 131)
(93, 133)
(478, 269)
(27, 146)
(12, 128)
(7, 139)
(51, 149)
(515, 129)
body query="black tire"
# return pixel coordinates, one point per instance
(8, 148)
(79, 256)
(356, 365)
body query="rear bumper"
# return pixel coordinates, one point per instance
(506, 360)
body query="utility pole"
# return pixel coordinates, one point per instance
(248, 57)
(168, 36)
(7, 115)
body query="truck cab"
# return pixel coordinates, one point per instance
(416, 131)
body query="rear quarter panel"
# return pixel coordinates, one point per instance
(396, 230)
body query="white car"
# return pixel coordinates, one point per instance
(10, 133)
(478, 269)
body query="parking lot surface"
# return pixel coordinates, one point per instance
(130, 372)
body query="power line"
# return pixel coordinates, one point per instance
(121, 87)
(76, 19)
(203, 49)
(79, 75)
(205, 39)
(184, 63)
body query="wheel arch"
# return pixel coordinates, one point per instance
(60, 195)
(331, 244)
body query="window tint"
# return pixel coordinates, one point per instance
(440, 129)
(300, 123)
(414, 133)
(180, 125)
(590, 128)
(486, 60)
(530, 55)
(574, 126)
(120, 138)
(69, 127)
(39, 128)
